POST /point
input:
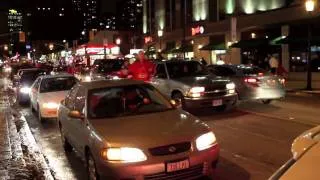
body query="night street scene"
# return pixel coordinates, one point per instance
(159, 89)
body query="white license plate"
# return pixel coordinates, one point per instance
(177, 166)
(217, 102)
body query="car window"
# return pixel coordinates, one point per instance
(70, 99)
(126, 101)
(223, 71)
(161, 71)
(57, 84)
(80, 99)
(249, 70)
(185, 69)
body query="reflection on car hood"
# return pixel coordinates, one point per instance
(149, 130)
(307, 167)
(202, 80)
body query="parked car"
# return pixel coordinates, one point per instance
(47, 92)
(23, 81)
(305, 158)
(127, 129)
(252, 83)
(108, 68)
(190, 83)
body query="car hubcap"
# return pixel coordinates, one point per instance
(92, 169)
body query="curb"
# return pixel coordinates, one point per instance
(30, 147)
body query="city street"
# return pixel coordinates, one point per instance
(255, 139)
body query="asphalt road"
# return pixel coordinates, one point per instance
(255, 139)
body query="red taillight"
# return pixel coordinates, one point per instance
(250, 80)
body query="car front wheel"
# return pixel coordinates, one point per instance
(178, 96)
(91, 168)
(66, 145)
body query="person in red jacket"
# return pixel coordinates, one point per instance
(142, 69)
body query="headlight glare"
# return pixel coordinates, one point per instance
(124, 154)
(230, 86)
(25, 90)
(205, 141)
(196, 92)
(51, 105)
(87, 79)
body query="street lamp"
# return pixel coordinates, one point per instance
(160, 34)
(310, 5)
(51, 46)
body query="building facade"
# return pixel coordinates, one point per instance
(88, 10)
(235, 31)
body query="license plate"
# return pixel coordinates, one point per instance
(217, 102)
(177, 166)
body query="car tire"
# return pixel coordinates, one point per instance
(41, 119)
(65, 143)
(91, 167)
(179, 96)
(266, 101)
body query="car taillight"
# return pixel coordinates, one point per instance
(251, 81)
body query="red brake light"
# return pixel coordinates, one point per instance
(250, 80)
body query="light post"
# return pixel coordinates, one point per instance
(160, 34)
(309, 5)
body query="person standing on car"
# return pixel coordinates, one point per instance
(142, 69)
(274, 64)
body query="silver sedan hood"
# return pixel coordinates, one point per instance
(149, 130)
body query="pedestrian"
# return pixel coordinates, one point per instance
(203, 62)
(274, 64)
(142, 69)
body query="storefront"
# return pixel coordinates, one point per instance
(217, 49)
(93, 52)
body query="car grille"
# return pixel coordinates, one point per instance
(216, 86)
(194, 172)
(170, 149)
(215, 94)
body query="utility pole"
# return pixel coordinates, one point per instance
(184, 30)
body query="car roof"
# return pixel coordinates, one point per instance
(57, 76)
(30, 69)
(109, 83)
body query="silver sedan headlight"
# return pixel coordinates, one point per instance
(124, 154)
(206, 141)
(25, 90)
(231, 88)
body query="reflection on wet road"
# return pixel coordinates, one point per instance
(64, 165)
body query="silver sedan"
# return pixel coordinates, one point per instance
(126, 129)
(252, 83)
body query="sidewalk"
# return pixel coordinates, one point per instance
(20, 156)
(298, 88)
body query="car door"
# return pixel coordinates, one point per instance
(79, 133)
(160, 80)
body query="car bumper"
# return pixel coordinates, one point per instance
(263, 93)
(201, 164)
(49, 113)
(227, 100)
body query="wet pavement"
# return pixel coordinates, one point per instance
(253, 146)
(64, 165)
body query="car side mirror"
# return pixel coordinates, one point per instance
(176, 103)
(76, 115)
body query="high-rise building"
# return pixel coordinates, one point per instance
(15, 20)
(107, 21)
(88, 9)
(130, 14)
